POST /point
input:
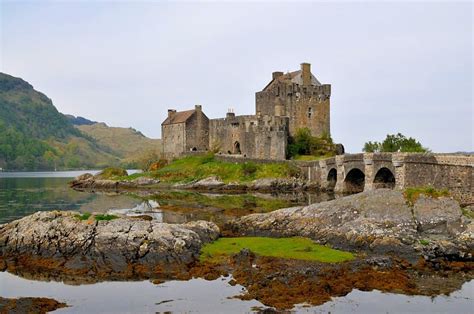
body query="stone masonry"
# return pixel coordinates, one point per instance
(287, 103)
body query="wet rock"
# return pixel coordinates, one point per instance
(59, 239)
(145, 181)
(29, 305)
(272, 184)
(378, 221)
(207, 183)
(438, 216)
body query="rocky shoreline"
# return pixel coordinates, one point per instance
(404, 247)
(88, 182)
(379, 221)
(60, 244)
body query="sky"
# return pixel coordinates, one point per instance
(394, 67)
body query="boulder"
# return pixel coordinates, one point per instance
(438, 216)
(145, 181)
(117, 247)
(379, 221)
(207, 183)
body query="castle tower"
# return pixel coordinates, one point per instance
(300, 96)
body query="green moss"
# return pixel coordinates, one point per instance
(424, 242)
(101, 217)
(192, 168)
(467, 213)
(412, 194)
(84, 216)
(292, 248)
(111, 173)
(312, 158)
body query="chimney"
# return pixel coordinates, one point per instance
(276, 75)
(171, 112)
(306, 73)
(230, 114)
(198, 108)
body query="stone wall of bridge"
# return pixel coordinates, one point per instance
(358, 172)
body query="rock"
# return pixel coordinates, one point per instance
(438, 216)
(105, 248)
(379, 221)
(207, 183)
(29, 305)
(145, 181)
(272, 184)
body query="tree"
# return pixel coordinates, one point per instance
(305, 144)
(395, 143)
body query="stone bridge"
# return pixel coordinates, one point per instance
(357, 172)
(352, 173)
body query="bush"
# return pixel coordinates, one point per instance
(111, 172)
(305, 144)
(249, 168)
(157, 165)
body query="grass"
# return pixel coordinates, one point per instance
(112, 173)
(84, 216)
(467, 213)
(105, 217)
(226, 202)
(292, 248)
(192, 168)
(312, 158)
(99, 217)
(412, 194)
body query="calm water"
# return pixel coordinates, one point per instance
(24, 193)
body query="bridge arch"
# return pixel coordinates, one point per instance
(384, 178)
(332, 179)
(354, 181)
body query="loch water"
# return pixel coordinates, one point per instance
(22, 194)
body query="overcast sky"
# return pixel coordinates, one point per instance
(393, 67)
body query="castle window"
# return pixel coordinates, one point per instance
(278, 91)
(310, 112)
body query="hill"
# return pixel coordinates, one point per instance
(79, 120)
(127, 143)
(35, 136)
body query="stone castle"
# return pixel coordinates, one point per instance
(287, 103)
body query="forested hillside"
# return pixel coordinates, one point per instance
(35, 136)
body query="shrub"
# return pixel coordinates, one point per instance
(305, 144)
(249, 168)
(157, 165)
(111, 172)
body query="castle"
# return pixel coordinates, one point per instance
(287, 103)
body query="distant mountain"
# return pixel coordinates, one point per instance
(127, 143)
(79, 120)
(35, 136)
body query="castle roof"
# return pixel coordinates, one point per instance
(179, 117)
(293, 77)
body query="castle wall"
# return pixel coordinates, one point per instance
(173, 139)
(197, 132)
(306, 106)
(250, 136)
